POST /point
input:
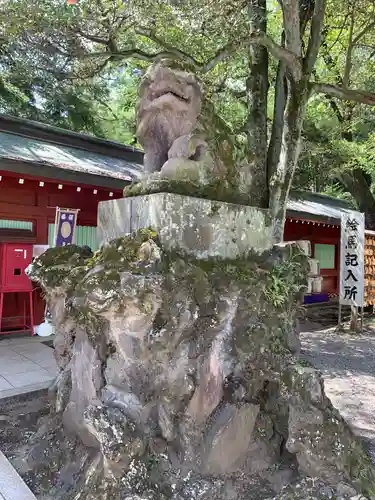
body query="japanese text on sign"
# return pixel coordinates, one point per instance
(65, 226)
(352, 259)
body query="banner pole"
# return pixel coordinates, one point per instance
(354, 318)
(75, 226)
(56, 226)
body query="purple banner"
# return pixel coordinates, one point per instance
(65, 226)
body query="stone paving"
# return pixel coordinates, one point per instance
(26, 364)
(12, 487)
(347, 363)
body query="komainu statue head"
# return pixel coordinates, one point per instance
(170, 102)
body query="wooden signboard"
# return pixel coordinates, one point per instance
(352, 259)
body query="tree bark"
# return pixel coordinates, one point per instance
(292, 26)
(257, 93)
(298, 92)
(281, 179)
(345, 94)
(274, 147)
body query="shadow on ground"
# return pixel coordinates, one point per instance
(347, 363)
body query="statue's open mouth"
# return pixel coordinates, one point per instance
(178, 95)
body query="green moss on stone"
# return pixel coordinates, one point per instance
(218, 190)
(270, 283)
(93, 324)
(122, 252)
(59, 267)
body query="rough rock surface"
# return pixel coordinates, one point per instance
(177, 381)
(193, 226)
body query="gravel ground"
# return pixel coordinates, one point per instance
(347, 363)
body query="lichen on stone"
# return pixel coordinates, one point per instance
(181, 377)
(56, 265)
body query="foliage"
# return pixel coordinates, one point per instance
(285, 281)
(326, 155)
(119, 118)
(259, 62)
(27, 91)
(337, 158)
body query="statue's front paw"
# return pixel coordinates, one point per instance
(185, 170)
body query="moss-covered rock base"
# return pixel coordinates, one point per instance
(179, 381)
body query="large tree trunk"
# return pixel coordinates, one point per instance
(274, 148)
(281, 178)
(257, 92)
(282, 158)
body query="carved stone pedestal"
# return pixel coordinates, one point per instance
(177, 379)
(195, 226)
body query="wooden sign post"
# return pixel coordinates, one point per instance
(352, 264)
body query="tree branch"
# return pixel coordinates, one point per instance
(93, 38)
(136, 53)
(365, 30)
(105, 105)
(174, 53)
(349, 53)
(305, 14)
(360, 96)
(315, 37)
(220, 55)
(335, 108)
(168, 52)
(341, 28)
(282, 54)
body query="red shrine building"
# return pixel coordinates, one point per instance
(316, 218)
(43, 167)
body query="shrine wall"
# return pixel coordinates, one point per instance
(325, 241)
(27, 211)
